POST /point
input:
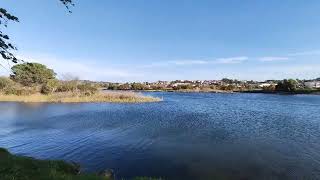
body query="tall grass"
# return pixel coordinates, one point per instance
(69, 97)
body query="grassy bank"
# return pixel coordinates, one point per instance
(14, 167)
(25, 168)
(116, 97)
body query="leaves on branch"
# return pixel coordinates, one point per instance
(67, 3)
(5, 46)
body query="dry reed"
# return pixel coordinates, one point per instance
(116, 97)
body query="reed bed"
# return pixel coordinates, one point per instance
(116, 97)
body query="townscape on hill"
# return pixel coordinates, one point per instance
(223, 85)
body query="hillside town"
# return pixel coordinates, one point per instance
(224, 84)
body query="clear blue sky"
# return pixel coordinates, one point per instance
(149, 40)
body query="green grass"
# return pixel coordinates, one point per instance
(14, 167)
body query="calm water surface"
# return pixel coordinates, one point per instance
(187, 136)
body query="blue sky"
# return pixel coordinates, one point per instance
(149, 40)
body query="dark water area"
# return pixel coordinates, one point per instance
(187, 136)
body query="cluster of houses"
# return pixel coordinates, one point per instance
(303, 83)
(312, 84)
(203, 83)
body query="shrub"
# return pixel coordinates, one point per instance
(9, 87)
(20, 91)
(87, 89)
(49, 87)
(138, 86)
(113, 86)
(5, 83)
(67, 86)
(125, 86)
(269, 88)
(287, 85)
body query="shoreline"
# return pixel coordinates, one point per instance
(100, 97)
(313, 92)
(22, 167)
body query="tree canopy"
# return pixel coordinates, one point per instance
(6, 47)
(287, 85)
(32, 74)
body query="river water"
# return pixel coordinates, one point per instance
(186, 136)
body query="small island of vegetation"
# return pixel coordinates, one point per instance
(34, 82)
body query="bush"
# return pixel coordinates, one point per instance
(5, 83)
(269, 88)
(287, 85)
(20, 91)
(50, 87)
(138, 86)
(87, 89)
(186, 86)
(113, 86)
(67, 86)
(7, 86)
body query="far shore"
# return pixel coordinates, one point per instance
(310, 92)
(113, 97)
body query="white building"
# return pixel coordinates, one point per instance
(265, 85)
(312, 84)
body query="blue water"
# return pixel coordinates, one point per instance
(187, 136)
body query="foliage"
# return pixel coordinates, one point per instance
(31, 74)
(125, 86)
(20, 90)
(6, 47)
(227, 87)
(67, 86)
(87, 89)
(269, 88)
(227, 81)
(50, 87)
(157, 87)
(138, 86)
(76, 86)
(186, 86)
(287, 85)
(113, 86)
(67, 3)
(5, 83)
(7, 86)
(25, 168)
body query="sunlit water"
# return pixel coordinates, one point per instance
(187, 136)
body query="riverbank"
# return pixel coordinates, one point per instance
(311, 92)
(189, 91)
(114, 97)
(27, 168)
